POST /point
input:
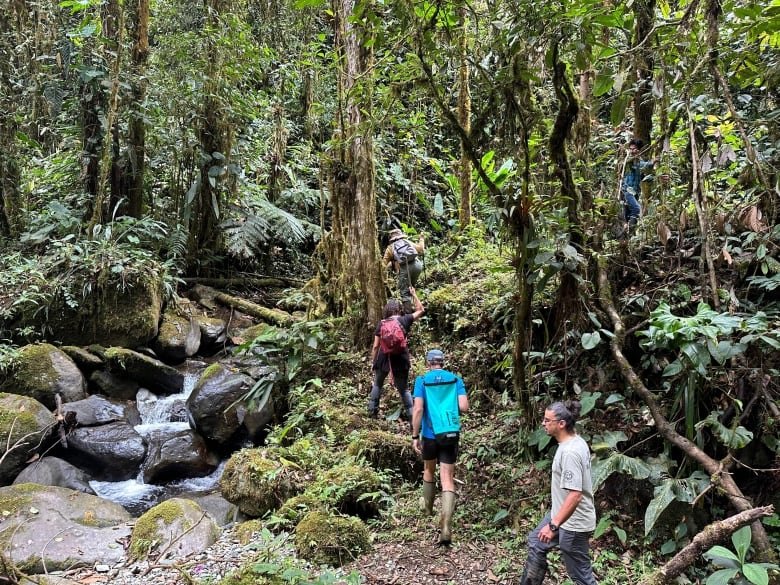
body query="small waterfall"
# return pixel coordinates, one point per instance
(159, 415)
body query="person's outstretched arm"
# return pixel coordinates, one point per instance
(418, 306)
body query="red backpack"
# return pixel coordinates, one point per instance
(392, 339)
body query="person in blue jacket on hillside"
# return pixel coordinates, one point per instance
(636, 171)
(439, 399)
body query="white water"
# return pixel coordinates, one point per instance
(159, 414)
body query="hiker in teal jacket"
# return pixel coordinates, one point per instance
(439, 398)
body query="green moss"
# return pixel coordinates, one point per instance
(147, 528)
(246, 530)
(386, 450)
(260, 480)
(334, 540)
(15, 422)
(294, 509)
(210, 372)
(18, 497)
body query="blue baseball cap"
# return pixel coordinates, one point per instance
(434, 355)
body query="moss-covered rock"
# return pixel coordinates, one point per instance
(386, 450)
(25, 423)
(294, 509)
(42, 371)
(178, 337)
(246, 530)
(87, 527)
(337, 422)
(247, 575)
(149, 372)
(333, 540)
(176, 528)
(261, 480)
(121, 309)
(351, 488)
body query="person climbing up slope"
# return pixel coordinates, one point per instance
(390, 352)
(403, 256)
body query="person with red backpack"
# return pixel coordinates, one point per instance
(390, 353)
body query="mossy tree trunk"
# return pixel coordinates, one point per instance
(568, 305)
(215, 137)
(464, 115)
(644, 11)
(353, 279)
(136, 163)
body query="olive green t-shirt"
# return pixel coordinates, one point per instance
(571, 471)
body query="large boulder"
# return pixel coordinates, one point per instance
(220, 509)
(25, 425)
(172, 454)
(113, 386)
(55, 471)
(175, 528)
(261, 480)
(84, 359)
(99, 410)
(324, 538)
(122, 310)
(112, 452)
(47, 528)
(218, 408)
(42, 372)
(386, 450)
(179, 337)
(147, 371)
(213, 333)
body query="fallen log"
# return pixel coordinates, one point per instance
(711, 535)
(243, 282)
(275, 316)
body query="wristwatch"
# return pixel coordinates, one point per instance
(553, 527)
(415, 437)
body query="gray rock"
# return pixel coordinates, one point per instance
(213, 332)
(216, 406)
(113, 386)
(147, 371)
(178, 339)
(98, 410)
(44, 371)
(83, 358)
(25, 424)
(113, 451)
(173, 529)
(48, 528)
(220, 509)
(55, 471)
(174, 454)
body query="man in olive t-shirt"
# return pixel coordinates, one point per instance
(572, 518)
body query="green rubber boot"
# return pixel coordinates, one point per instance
(429, 493)
(447, 509)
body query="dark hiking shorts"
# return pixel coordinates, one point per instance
(442, 453)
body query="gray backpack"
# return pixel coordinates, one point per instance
(404, 251)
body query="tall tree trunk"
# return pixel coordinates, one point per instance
(137, 128)
(464, 116)
(644, 10)
(215, 143)
(568, 303)
(9, 170)
(277, 154)
(106, 166)
(354, 273)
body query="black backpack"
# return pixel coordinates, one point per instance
(404, 251)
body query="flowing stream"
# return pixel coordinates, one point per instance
(160, 414)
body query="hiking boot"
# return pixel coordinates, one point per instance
(534, 573)
(445, 524)
(429, 493)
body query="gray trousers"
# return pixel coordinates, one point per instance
(575, 552)
(408, 274)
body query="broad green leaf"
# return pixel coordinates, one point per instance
(604, 83)
(588, 401)
(621, 534)
(673, 369)
(590, 340)
(662, 497)
(721, 577)
(605, 522)
(741, 540)
(613, 398)
(617, 462)
(721, 556)
(755, 573)
(500, 515)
